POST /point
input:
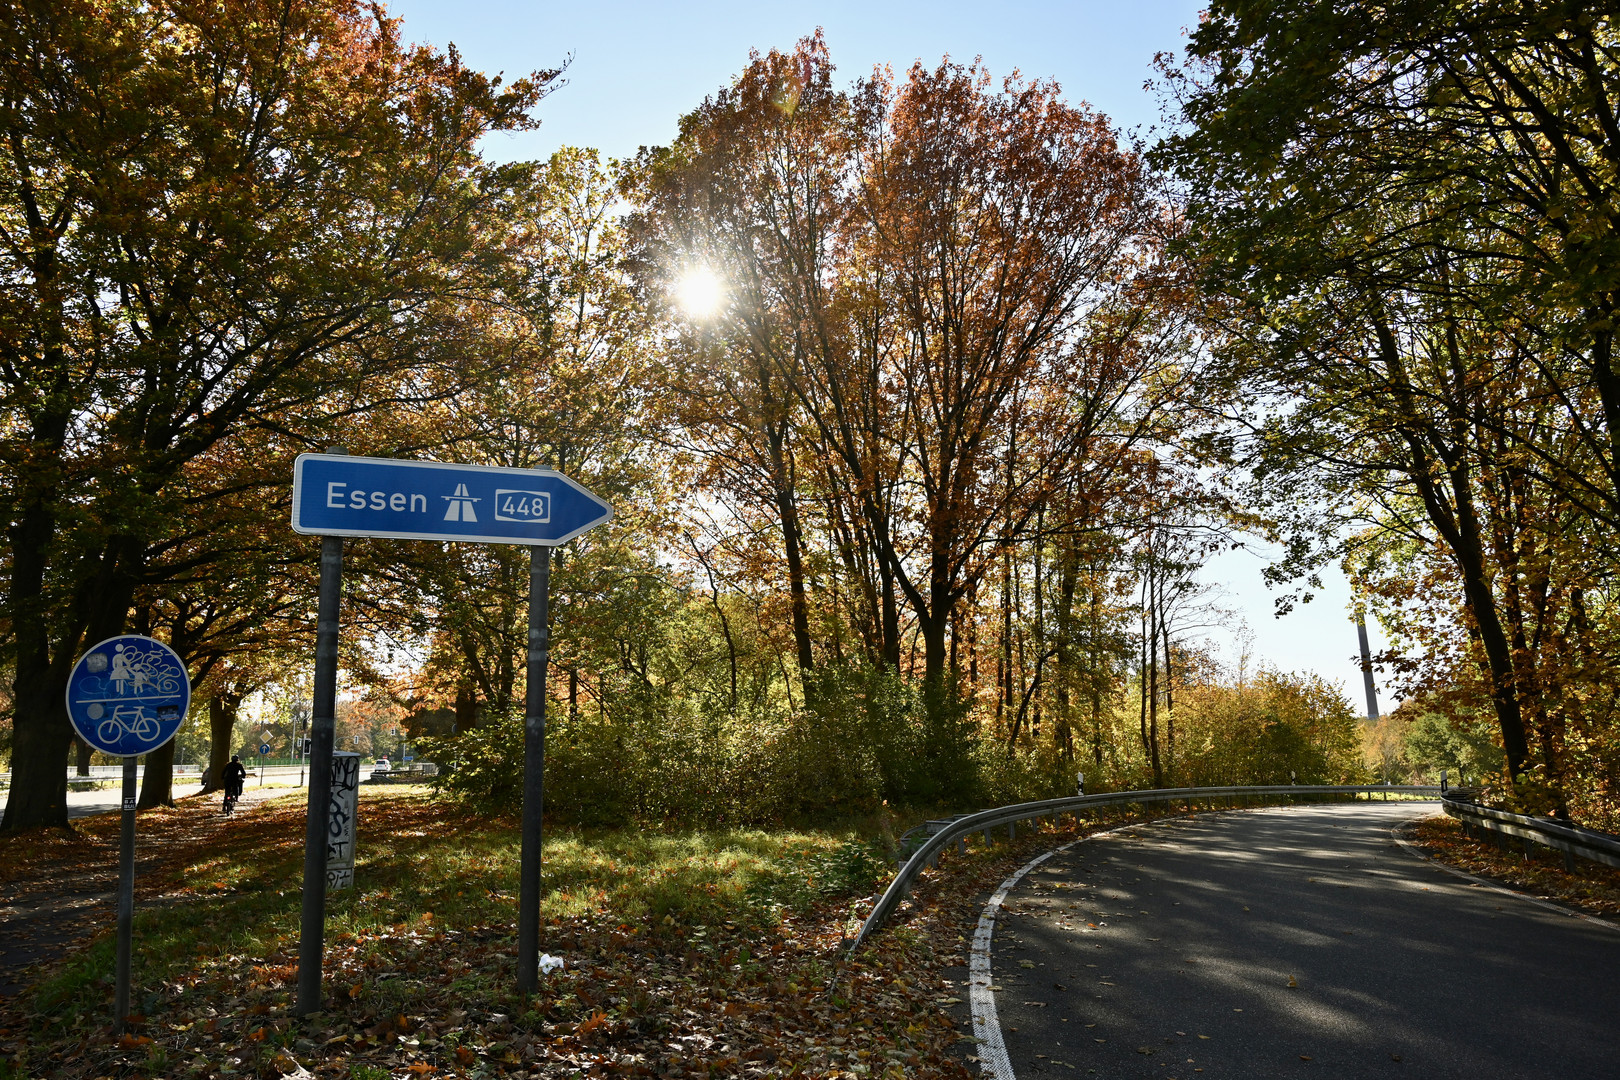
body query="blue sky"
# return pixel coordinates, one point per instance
(638, 66)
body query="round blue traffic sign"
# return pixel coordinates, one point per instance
(128, 695)
(264, 749)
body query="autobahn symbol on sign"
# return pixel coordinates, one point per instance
(338, 495)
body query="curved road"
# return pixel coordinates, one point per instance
(1290, 943)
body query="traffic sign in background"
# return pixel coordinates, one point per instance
(339, 495)
(128, 695)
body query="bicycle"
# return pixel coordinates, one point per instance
(232, 793)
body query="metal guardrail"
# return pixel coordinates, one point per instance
(1572, 841)
(958, 829)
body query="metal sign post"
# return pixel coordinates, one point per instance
(335, 495)
(534, 769)
(126, 900)
(323, 725)
(127, 696)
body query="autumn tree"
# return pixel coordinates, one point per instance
(941, 303)
(1409, 207)
(551, 373)
(208, 217)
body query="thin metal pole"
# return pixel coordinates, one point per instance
(323, 724)
(534, 769)
(126, 899)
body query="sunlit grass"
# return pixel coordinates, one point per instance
(421, 863)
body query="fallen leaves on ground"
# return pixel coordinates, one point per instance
(1592, 888)
(425, 999)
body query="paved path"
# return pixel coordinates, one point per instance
(38, 921)
(1169, 951)
(107, 799)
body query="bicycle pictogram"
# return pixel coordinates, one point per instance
(128, 720)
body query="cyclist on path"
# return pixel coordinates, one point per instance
(235, 774)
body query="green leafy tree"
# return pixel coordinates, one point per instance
(1404, 212)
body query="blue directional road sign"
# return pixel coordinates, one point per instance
(264, 747)
(338, 495)
(128, 695)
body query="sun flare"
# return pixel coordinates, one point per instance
(700, 293)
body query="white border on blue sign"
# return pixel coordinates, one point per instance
(459, 538)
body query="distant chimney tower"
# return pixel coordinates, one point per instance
(1366, 668)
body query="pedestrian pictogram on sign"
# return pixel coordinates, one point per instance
(461, 505)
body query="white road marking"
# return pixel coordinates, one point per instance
(992, 1049)
(993, 1060)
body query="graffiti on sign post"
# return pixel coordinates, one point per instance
(340, 817)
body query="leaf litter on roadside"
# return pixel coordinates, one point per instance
(422, 997)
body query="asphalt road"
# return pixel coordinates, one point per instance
(1293, 943)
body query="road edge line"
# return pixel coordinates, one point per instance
(1551, 905)
(993, 1059)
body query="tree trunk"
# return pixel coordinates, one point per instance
(1460, 527)
(1150, 673)
(39, 756)
(891, 616)
(1455, 519)
(1004, 656)
(221, 723)
(1142, 687)
(40, 729)
(157, 781)
(81, 753)
(787, 509)
(466, 708)
(933, 634)
(1169, 706)
(1040, 615)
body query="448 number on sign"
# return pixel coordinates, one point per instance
(522, 505)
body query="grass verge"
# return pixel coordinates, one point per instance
(697, 952)
(694, 953)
